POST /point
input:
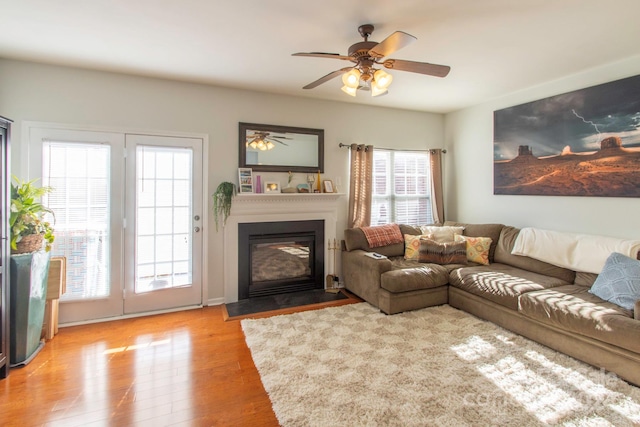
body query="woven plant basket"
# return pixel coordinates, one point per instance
(30, 243)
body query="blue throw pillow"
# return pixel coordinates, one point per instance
(619, 281)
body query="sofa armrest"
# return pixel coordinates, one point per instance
(636, 310)
(361, 274)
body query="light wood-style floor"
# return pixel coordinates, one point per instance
(188, 368)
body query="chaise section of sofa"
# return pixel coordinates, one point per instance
(392, 284)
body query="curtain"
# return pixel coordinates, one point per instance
(437, 199)
(360, 185)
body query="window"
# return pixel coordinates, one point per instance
(401, 188)
(80, 175)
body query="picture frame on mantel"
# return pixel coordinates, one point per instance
(271, 187)
(245, 180)
(327, 186)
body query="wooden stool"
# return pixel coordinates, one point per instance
(56, 286)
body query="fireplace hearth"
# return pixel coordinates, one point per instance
(280, 257)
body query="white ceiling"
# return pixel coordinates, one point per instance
(494, 47)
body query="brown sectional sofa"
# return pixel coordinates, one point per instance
(546, 303)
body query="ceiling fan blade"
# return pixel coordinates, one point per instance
(277, 140)
(327, 78)
(394, 42)
(323, 55)
(417, 67)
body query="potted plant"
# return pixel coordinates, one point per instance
(28, 270)
(27, 221)
(222, 199)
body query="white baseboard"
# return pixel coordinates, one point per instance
(215, 301)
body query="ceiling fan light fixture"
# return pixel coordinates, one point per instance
(351, 78)
(377, 90)
(382, 79)
(349, 90)
(270, 145)
(253, 144)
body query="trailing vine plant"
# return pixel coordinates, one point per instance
(222, 198)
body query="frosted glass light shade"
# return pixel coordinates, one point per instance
(351, 78)
(349, 90)
(382, 79)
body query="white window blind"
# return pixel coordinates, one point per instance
(401, 188)
(79, 174)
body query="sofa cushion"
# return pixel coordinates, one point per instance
(574, 309)
(481, 230)
(442, 253)
(501, 283)
(477, 248)
(354, 239)
(383, 235)
(412, 276)
(585, 279)
(503, 255)
(619, 281)
(412, 245)
(442, 234)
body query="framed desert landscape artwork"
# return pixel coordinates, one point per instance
(580, 143)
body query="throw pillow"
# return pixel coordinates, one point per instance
(442, 234)
(442, 253)
(619, 281)
(382, 235)
(412, 245)
(477, 248)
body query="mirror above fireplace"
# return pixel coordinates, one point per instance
(271, 148)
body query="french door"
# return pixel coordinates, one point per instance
(125, 219)
(164, 221)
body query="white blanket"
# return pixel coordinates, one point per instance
(578, 252)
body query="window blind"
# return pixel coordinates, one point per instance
(401, 188)
(80, 176)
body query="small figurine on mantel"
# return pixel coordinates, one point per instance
(289, 188)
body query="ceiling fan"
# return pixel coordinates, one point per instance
(366, 55)
(260, 140)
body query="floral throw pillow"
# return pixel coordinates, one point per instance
(477, 248)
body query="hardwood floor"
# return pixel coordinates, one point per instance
(189, 368)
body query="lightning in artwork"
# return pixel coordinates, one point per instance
(589, 122)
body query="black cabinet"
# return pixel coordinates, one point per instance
(5, 194)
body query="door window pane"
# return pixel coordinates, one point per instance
(79, 174)
(163, 212)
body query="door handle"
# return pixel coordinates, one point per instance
(196, 229)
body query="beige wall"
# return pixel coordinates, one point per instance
(469, 173)
(34, 92)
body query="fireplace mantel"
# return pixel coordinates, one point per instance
(249, 208)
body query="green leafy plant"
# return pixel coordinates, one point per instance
(28, 213)
(222, 199)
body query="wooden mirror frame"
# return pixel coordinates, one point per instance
(244, 127)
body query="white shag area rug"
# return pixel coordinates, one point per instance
(354, 366)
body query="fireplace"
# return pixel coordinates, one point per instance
(280, 257)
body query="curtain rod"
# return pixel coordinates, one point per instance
(444, 151)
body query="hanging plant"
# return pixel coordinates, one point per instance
(222, 198)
